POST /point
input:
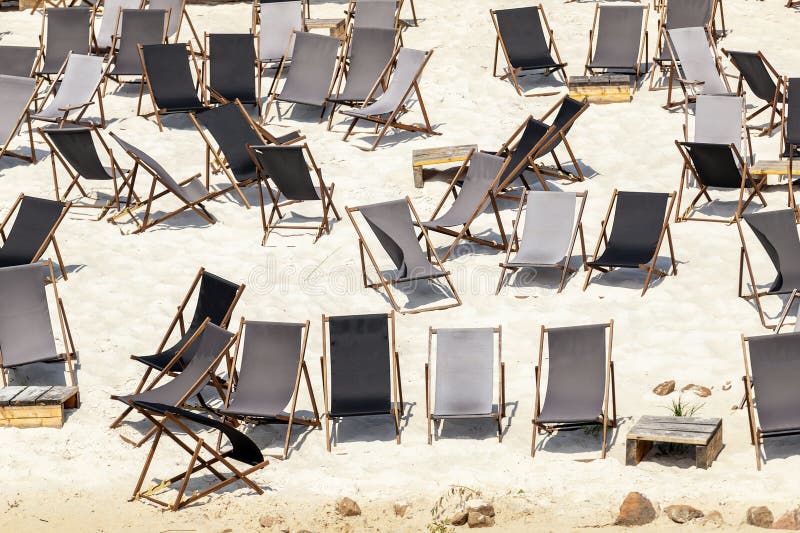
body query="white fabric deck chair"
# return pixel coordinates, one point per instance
(16, 95)
(110, 22)
(177, 15)
(695, 65)
(77, 90)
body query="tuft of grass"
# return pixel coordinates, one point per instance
(680, 407)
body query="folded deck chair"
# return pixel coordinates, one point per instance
(177, 15)
(522, 149)
(695, 65)
(548, 236)
(216, 299)
(754, 69)
(26, 332)
(64, 30)
(78, 87)
(580, 378)
(34, 229)
(279, 19)
(641, 220)
(790, 132)
(139, 26)
(290, 171)
(569, 110)
(360, 369)
(169, 80)
(18, 60)
(369, 51)
(310, 79)
(268, 380)
(618, 40)
(387, 108)
(16, 96)
(526, 40)
(110, 22)
(679, 14)
(480, 176)
(229, 72)
(464, 366)
(393, 226)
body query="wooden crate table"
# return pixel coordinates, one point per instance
(705, 434)
(36, 406)
(436, 156)
(335, 26)
(774, 167)
(601, 89)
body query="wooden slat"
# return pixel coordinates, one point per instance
(678, 420)
(57, 395)
(8, 393)
(444, 154)
(29, 395)
(692, 428)
(765, 167)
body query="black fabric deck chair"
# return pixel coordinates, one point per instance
(580, 378)
(290, 170)
(641, 220)
(26, 331)
(169, 80)
(34, 229)
(229, 71)
(64, 30)
(360, 369)
(18, 60)
(73, 90)
(569, 110)
(771, 371)
(138, 26)
(754, 69)
(16, 96)
(521, 149)
(790, 132)
(618, 40)
(525, 37)
(393, 226)
(679, 14)
(177, 15)
(464, 368)
(110, 22)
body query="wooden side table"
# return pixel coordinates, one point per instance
(436, 156)
(36, 406)
(705, 434)
(336, 27)
(774, 167)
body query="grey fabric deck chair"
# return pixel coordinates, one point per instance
(464, 368)
(369, 51)
(229, 70)
(78, 88)
(279, 20)
(34, 229)
(177, 16)
(387, 108)
(764, 83)
(26, 332)
(618, 40)
(16, 96)
(526, 40)
(548, 235)
(770, 380)
(680, 14)
(310, 78)
(67, 30)
(376, 14)
(289, 168)
(393, 226)
(138, 26)
(360, 369)
(265, 388)
(719, 119)
(480, 175)
(580, 379)
(641, 221)
(695, 65)
(18, 60)
(110, 22)
(790, 132)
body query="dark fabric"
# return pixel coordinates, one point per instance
(533, 133)
(370, 52)
(232, 66)
(170, 77)
(67, 30)
(76, 146)
(576, 375)
(522, 32)
(568, 110)
(792, 113)
(715, 165)
(688, 13)
(233, 132)
(17, 60)
(17, 93)
(138, 26)
(287, 168)
(619, 36)
(777, 233)
(638, 220)
(776, 370)
(359, 361)
(35, 219)
(313, 63)
(755, 73)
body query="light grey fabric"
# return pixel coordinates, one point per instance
(718, 119)
(375, 14)
(370, 51)
(111, 10)
(78, 84)
(549, 224)
(697, 60)
(278, 19)
(175, 13)
(409, 62)
(15, 92)
(464, 372)
(688, 13)
(619, 36)
(313, 63)
(140, 26)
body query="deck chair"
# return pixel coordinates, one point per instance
(794, 297)
(168, 76)
(754, 69)
(525, 37)
(568, 112)
(393, 226)
(580, 379)
(641, 220)
(548, 236)
(110, 22)
(771, 370)
(78, 87)
(18, 60)
(387, 108)
(268, 380)
(26, 331)
(360, 369)
(369, 51)
(310, 78)
(719, 119)
(790, 132)
(177, 16)
(138, 26)
(480, 175)
(290, 171)
(375, 14)
(215, 300)
(618, 40)
(464, 384)
(777, 233)
(522, 148)
(64, 31)
(679, 14)
(279, 20)
(229, 72)
(16, 96)
(695, 65)
(34, 229)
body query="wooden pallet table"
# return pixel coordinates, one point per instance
(436, 156)
(36, 406)
(774, 167)
(601, 89)
(336, 27)
(705, 434)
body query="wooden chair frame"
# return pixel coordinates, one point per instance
(26, 116)
(97, 93)
(560, 134)
(772, 104)
(644, 46)
(785, 313)
(686, 85)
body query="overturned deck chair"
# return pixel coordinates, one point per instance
(360, 369)
(641, 220)
(618, 40)
(764, 82)
(526, 40)
(679, 14)
(695, 65)
(64, 30)
(110, 22)
(790, 132)
(290, 170)
(268, 380)
(393, 226)
(275, 45)
(16, 96)
(229, 71)
(168, 76)
(387, 108)
(78, 88)
(139, 26)
(464, 380)
(34, 229)
(580, 379)
(548, 236)
(177, 16)
(18, 60)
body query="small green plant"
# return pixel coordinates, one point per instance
(592, 429)
(455, 499)
(681, 408)
(438, 526)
